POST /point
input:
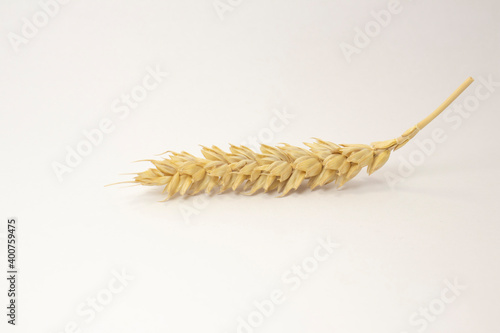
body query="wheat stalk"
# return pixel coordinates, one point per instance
(282, 168)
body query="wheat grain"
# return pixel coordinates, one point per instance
(282, 168)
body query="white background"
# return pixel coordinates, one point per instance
(199, 265)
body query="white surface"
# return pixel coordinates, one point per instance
(200, 273)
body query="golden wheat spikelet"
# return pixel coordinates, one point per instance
(282, 168)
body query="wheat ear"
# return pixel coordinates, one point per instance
(281, 168)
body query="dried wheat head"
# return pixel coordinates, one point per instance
(282, 168)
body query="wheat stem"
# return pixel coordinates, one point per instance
(445, 104)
